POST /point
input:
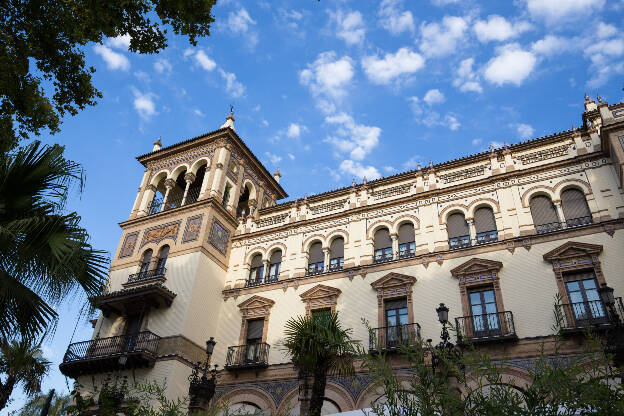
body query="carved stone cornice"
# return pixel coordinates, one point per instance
(256, 306)
(475, 267)
(320, 296)
(573, 249)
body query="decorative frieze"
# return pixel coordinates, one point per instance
(276, 219)
(161, 232)
(188, 157)
(544, 154)
(460, 175)
(328, 207)
(390, 192)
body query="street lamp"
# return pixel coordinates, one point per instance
(614, 334)
(201, 387)
(445, 349)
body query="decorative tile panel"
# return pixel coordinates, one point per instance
(192, 228)
(161, 232)
(128, 245)
(219, 236)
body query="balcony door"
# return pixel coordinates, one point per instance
(133, 327)
(253, 344)
(396, 322)
(585, 301)
(484, 313)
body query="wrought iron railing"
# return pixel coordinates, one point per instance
(391, 338)
(486, 326)
(192, 195)
(459, 242)
(147, 275)
(251, 355)
(487, 237)
(155, 206)
(568, 223)
(174, 202)
(262, 281)
(382, 258)
(335, 267)
(314, 269)
(144, 341)
(579, 315)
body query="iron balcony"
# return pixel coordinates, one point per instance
(487, 327)
(248, 356)
(392, 338)
(580, 316)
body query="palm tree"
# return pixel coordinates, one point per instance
(22, 362)
(45, 254)
(58, 405)
(318, 346)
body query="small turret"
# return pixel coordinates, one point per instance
(157, 145)
(277, 175)
(229, 120)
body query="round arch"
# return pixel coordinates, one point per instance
(178, 170)
(250, 395)
(452, 209)
(571, 183)
(336, 394)
(403, 219)
(372, 229)
(480, 203)
(337, 233)
(276, 246)
(312, 239)
(534, 191)
(161, 175)
(198, 164)
(256, 250)
(252, 188)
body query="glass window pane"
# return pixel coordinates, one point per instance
(475, 299)
(572, 286)
(589, 284)
(488, 296)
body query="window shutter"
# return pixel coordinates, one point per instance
(484, 220)
(395, 303)
(256, 261)
(574, 204)
(254, 329)
(543, 211)
(337, 248)
(382, 239)
(406, 233)
(456, 225)
(316, 253)
(276, 257)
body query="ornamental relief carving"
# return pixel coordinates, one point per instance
(188, 157)
(127, 248)
(161, 232)
(192, 228)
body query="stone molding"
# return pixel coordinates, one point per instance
(320, 297)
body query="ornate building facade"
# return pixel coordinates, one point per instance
(208, 251)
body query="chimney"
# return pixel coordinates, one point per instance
(157, 145)
(277, 175)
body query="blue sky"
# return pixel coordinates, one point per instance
(334, 90)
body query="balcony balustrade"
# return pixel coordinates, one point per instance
(487, 237)
(383, 258)
(486, 327)
(248, 356)
(556, 226)
(102, 354)
(173, 202)
(147, 275)
(392, 338)
(314, 269)
(456, 243)
(263, 281)
(580, 316)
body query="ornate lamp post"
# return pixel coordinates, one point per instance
(445, 349)
(614, 336)
(201, 387)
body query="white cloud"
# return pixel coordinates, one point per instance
(411, 163)
(120, 42)
(441, 39)
(497, 28)
(144, 104)
(477, 142)
(444, 2)
(389, 169)
(198, 112)
(430, 118)
(204, 61)
(265, 123)
(434, 97)
(274, 159)
(162, 66)
(114, 60)
(512, 65)
(289, 19)
(395, 20)
(451, 122)
(556, 11)
(291, 156)
(391, 66)
(525, 131)
(328, 76)
(294, 130)
(613, 47)
(240, 23)
(232, 86)
(467, 79)
(350, 137)
(605, 30)
(349, 27)
(552, 45)
(358, 170)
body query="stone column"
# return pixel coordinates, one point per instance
(189, 178)
(395, 245)
(472, 231)
(560, 212)
(326, 257)
(148, 197)
(169, 184)
(266, 269)
(139, 198)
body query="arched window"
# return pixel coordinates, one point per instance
(155, 205)
(145, 262)
(275, 263)
(336, 254)
(256, 271)
(544, 214)
(163, 253)
(485, 225)
(458, 231)
(575, 208)
(383, 246)
(243, 202)
(316, 261)
(195, 187)
(176, 194)
(226, 195)
(407, 245)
